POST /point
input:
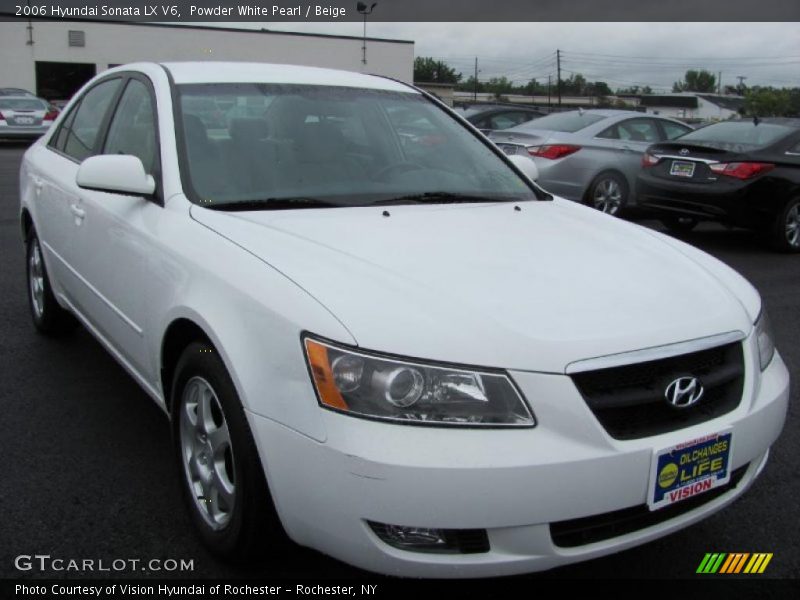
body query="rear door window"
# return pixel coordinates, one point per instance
(638, 130)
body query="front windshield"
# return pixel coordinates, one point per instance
(332, 146)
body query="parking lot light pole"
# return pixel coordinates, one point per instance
(362, 8)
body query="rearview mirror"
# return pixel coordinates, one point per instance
(116, 174)
(526, 165)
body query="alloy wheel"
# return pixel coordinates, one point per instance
(793, 226)
(607, 196)
(36, 279)
(207, 453)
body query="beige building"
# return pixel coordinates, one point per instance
(54, 58)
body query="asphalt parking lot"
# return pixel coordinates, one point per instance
(87, 471)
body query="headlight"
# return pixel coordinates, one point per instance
(766, 347)
(381, 387)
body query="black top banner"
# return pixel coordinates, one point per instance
(405, 10)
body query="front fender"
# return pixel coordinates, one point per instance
(253, 315)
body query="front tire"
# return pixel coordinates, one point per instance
(224, 486)
(48, 317)
(608, 193)
(785, 233)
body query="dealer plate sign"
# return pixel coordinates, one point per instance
(688, 469)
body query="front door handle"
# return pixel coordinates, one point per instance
(77, 211)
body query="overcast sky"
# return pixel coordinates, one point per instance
(621, 54)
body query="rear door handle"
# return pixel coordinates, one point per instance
(77, 211)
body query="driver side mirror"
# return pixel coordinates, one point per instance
(115, 174)
(526, 165)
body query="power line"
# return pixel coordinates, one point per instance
(694, 57)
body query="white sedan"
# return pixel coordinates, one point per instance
(373, 332)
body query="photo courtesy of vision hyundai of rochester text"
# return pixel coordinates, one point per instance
(376, 336)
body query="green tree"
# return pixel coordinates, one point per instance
(601, 88)
(696, 81)
(499, 85)
(470, 85)
(533, 88)
(429, 70)
(576, 85)
(771, 102)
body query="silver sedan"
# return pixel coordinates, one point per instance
(590, 156)
(25, 117)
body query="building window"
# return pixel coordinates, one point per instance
(77, 38)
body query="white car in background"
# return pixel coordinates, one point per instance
(394, 347)
(25, 117)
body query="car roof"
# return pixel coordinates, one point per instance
(245, 72)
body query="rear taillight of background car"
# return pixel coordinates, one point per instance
(648, 160)
(553, 151)
(51, 115)
(2, 118)
(741, 170)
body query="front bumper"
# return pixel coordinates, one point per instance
(512, 483)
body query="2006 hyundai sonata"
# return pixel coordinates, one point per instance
(373, 331)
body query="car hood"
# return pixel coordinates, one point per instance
(531, 289)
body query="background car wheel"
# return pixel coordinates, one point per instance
(48, 317)
(608, 193)
(223, 482)
(680, 224)
(785, 235)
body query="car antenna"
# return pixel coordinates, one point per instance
(756, 120)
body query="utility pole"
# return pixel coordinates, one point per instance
(29, 28)
(549, 78)
(741, 79)
(558, 80)
(365, 10)
(719, 83)
(475, 82)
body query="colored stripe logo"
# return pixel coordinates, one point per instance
(734, 563)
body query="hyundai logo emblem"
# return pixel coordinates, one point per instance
(684, 151)
(683, 392)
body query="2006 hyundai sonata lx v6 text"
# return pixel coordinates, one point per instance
(372, 331)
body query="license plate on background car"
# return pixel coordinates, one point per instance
(24, 120)
(688, 469)
(682, 168)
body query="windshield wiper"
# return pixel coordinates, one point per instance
(437, 198)
(271, 204)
